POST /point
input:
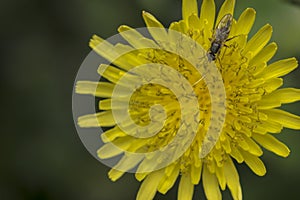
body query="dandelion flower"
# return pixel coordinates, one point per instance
(253, 99)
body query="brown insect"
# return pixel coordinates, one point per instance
(220, 36)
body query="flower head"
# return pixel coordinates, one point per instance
(249, 85)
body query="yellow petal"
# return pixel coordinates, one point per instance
(98, 89)
(221, 177)
(194, 22)
(266, 104)
(111, 134)
(278, 97)
(253, 147)
(207, 14)
(243, 144)
(271, 127)
(189, 7)
(258, 68)
(119, 103)
(178, 26)
(245, 22)
(232, 179)
(149, 164)
(160, 34)
(132, 37)
(96, 40)
(114, 174)
(226, 146)
(127, 162)
(268, 126)
(148, 188)
(141, 176)
(256, 83)
(218, 155)
(168, 181)
(110, 73)
(112, 53)
(126, 57)
(246, 131)
(151, 21)
(259, 40)
(226, 8)
(272, 144)
(260, 130)
(236, 154)
(207, 34)
(109, 150)
(105, 104)
(279, 68)
(170, 169)
(101, 119)
(254, 163)
(196, 173)
(103, 48)
(211, 166)
(137, 145)
(287, 95)
(285, 118)
(210, 185)
(136, 39)
(186, 188)
(272, 84)
(264, 55)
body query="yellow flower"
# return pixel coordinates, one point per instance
(251, 86)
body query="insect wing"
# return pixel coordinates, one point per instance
(223, 27)
(226, 21)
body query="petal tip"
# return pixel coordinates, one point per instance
(294, 59)
(269, 27)
(251, 10)
(123, 28)
(287, 154)
(274, 45)
(145, 13)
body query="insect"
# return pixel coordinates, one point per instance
(220, 36)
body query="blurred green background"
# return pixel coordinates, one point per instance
(42, 46)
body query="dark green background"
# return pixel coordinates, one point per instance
(42, 46)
